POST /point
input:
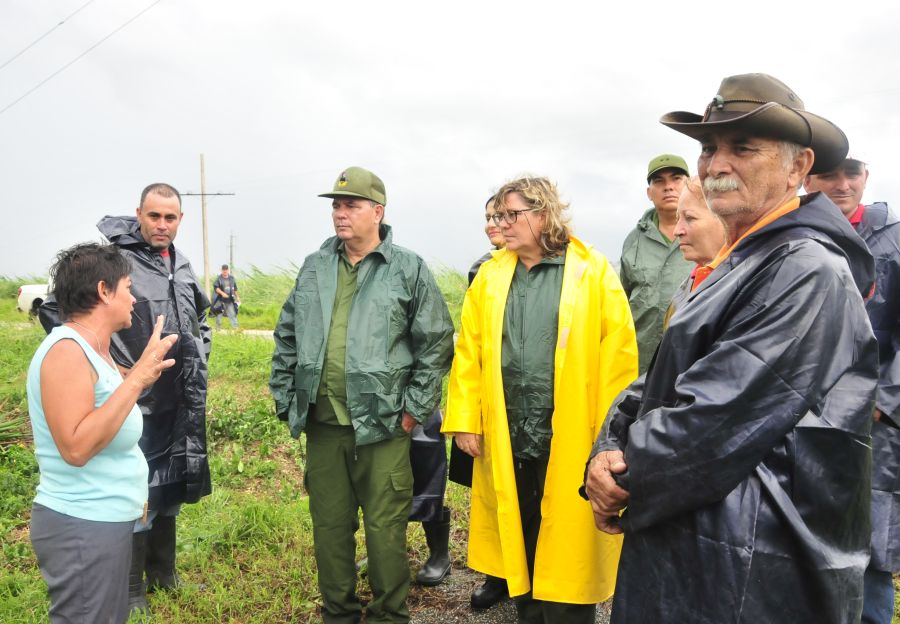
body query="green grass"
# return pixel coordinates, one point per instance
(22, 592)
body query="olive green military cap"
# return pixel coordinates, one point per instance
(666, 161)
(358, 182)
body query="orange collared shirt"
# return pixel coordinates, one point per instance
(704, 271)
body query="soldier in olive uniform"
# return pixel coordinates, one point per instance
(361, 346)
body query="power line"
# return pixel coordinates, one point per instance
(77, 58)
(38, 40)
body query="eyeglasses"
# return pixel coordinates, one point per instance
(510, 216)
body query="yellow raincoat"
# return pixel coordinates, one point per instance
(596, 357)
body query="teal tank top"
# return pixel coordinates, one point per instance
(112, 485)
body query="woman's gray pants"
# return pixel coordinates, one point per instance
(85, 564)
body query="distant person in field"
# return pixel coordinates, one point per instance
(226, 298)
(651, 266)
(174, 436)
(86, 425)
(494, 589)
(361, 347)
(741, 475)
(880, 228)
(546, 342)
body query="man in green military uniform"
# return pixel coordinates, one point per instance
(652, 267)
(362, 344)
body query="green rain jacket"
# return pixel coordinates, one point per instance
(651, 270)
(399, 340)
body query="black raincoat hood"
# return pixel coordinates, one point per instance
(121, 231)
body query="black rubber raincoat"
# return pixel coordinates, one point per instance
(174, 408)
(749, 455)
(881, 230)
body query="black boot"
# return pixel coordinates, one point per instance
(493, 590)
(137, 591)
(437, 536)
(160, 563)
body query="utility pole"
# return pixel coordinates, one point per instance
(203, 195)
(205, 240)
(231, 252)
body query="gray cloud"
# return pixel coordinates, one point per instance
(445, 102)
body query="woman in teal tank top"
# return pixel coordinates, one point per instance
(86, 424)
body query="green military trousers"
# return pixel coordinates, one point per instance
(341, 478)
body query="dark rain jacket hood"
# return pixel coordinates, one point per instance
(748, 447)
(174, 408)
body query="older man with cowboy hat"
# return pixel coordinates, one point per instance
(745, 466)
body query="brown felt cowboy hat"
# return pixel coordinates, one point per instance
(765, 107)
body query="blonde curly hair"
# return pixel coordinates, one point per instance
(541, 195)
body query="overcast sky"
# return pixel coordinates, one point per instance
(444, 101)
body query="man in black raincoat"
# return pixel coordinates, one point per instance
(743, 464)
(174, 437)
(880, 228)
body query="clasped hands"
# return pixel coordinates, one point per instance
(606, 497)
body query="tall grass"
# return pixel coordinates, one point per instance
(263, 294)
(453, 286)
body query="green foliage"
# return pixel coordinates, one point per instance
(18, 479)
(263, 294)
(453, 285)
(19, 337)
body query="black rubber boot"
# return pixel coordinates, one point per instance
(490, 593)
(160, 563)
(137, 591)
(437, 536)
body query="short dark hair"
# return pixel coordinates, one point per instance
(162, 189)
(490, 201)
(224, 266)
(79, 269)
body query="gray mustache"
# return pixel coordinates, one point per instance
(719, 185)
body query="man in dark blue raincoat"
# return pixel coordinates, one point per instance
(880, 228)
(743, 465)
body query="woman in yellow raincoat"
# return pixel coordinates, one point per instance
(546, 343)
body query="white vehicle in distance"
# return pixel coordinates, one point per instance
(30, 298)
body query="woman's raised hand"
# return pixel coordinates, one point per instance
(151, 364)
